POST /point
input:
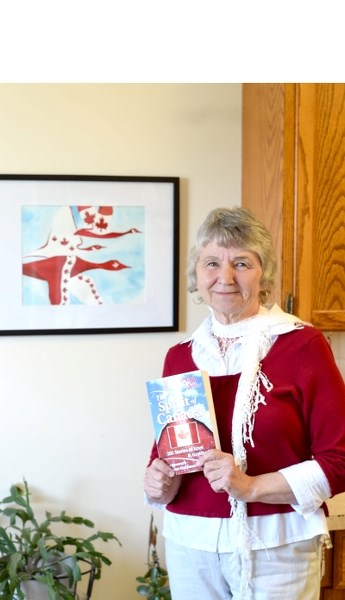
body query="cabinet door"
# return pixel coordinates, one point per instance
(268, 149)
(333, 583)
(339, 561)
(320, 204)
(293, 178)
(333, 595)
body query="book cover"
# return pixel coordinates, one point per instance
(183, 418)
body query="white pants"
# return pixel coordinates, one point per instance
(291, 572)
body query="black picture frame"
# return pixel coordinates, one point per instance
(89, 254)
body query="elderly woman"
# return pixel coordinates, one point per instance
(251, 524)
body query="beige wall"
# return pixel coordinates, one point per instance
(337, 341)
(75, 421)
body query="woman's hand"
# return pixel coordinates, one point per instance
(161, 483)
(224, 476)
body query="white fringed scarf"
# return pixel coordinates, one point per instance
(256, 336)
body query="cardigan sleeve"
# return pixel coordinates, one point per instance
(322, 391)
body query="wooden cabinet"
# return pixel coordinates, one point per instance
(293, 178)
(333, 581)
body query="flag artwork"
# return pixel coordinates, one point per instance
(183, 418)
(183, 434)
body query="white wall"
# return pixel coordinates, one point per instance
(75, 421)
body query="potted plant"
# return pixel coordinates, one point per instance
(154, 585)
(37, 563)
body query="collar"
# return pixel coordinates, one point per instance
(271, 320)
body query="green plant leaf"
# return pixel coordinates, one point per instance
(31, 549)
(155, 582)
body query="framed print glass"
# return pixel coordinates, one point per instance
(89, 254)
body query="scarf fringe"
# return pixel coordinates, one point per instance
(255, 398)
(244, 543)
(245, 413)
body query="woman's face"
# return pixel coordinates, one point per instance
(228, 280)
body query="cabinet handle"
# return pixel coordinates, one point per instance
(289, 304)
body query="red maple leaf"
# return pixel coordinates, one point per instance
(101, 224)
(182, 434)
(89, 218)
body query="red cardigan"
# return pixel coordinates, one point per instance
(304, 418)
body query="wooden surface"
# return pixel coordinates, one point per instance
(293, 178)
(339, 560)
(333, 581)
(321, 204)
(262, 159)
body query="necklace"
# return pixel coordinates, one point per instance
(224, 343)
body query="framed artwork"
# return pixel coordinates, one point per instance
(88, 254)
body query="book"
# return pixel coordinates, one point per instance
(183, 417)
